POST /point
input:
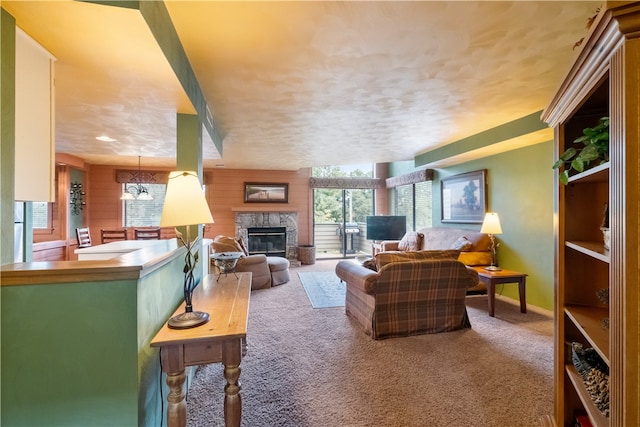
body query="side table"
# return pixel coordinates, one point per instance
(222, 340)
(493, 278)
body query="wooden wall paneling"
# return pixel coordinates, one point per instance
(224, 193)
(227, 193)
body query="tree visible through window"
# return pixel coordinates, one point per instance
(415, 201)
(328, 206)
(145, 213)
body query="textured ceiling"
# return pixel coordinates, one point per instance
(299, 84)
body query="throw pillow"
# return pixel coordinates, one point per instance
(462, 244)
(411, 242)
(241, 245)
(475, 258)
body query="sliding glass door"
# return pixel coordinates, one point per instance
(340, 221)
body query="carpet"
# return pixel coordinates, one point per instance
(324, 289)
(317, 368)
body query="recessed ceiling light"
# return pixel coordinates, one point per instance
(105, 138)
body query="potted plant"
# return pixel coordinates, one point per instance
(595, 147)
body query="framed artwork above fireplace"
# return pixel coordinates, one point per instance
(261, 192)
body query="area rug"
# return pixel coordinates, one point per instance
(324, 289)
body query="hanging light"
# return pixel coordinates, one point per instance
(137, 191)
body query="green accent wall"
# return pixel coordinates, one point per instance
(78, 354)
(516, 128)
(7, 133)
(520, 190)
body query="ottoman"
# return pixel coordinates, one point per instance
(279, 268)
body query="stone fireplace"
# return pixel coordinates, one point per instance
(269, 220)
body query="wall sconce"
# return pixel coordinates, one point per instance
(76, 198)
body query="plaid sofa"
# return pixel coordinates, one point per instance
(407, 297)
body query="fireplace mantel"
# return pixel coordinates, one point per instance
(275, 208)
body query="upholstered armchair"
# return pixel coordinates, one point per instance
(256, 264)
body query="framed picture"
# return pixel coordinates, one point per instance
(463, 197)
(259, 192)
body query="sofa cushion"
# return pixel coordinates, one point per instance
(411, 242)
(384, 258)
(444, 237)
(462, 244)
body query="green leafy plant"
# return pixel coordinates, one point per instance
(595, 147)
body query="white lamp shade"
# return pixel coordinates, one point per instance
(491, 224)
(184, 202)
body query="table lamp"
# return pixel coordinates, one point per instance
(185, 205)
(491, 226)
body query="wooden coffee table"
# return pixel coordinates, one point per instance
(493, 278)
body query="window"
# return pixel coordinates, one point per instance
(145, 213)
(414, 201)
(404, 203)
(42, 215)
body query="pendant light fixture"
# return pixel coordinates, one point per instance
(137, 191)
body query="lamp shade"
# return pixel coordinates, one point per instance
(491, 224)
(184, 202)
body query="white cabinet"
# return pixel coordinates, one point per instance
(34, 112)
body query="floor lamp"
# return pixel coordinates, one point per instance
(491, 226)
(185, 205)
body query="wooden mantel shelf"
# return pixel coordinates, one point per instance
(262, 208)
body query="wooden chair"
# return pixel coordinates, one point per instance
(113, 235)
(84, 237)
(152, 233)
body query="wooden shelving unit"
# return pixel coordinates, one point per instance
(603, 81)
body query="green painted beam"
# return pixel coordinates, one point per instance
(159, 21)
(519, 127)
(129, 4)
(156, 15)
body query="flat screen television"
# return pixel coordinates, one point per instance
(386, 227)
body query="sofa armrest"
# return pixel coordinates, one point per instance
(474, 278)
(356, 275)
(389, 245)
(253, 259)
